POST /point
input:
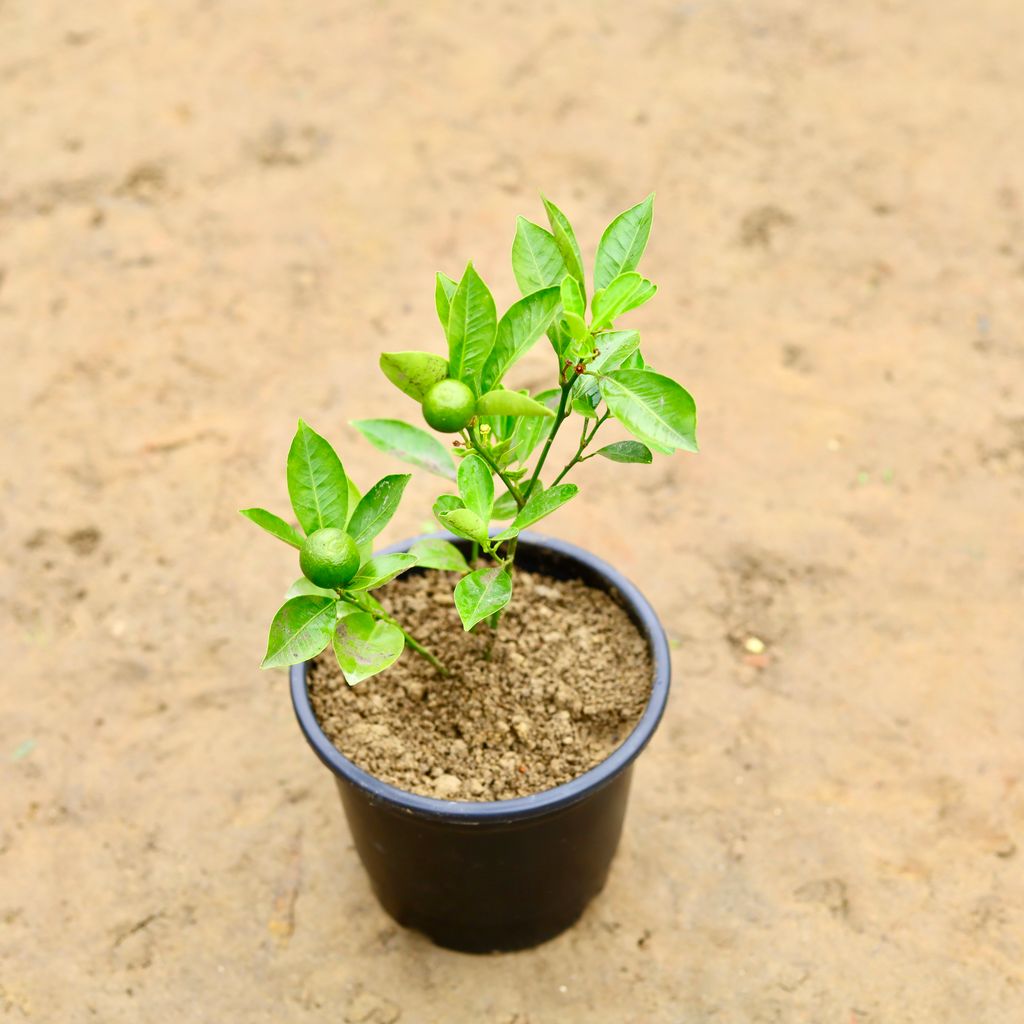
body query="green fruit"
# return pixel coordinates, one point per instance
(448, 405)
(329, 558)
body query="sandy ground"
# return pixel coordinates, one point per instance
(214, 215)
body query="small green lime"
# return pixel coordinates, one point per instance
(448, 405)
(329, 558)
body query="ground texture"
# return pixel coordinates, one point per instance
(214, 215)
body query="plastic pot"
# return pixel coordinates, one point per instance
(501, 874)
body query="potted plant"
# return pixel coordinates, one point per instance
(485, 775)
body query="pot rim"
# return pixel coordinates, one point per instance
(480, 812)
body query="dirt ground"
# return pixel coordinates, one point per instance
(214, 215)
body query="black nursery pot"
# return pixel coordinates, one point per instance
(501, 874)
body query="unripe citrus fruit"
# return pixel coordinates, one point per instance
(329, 558)
(448, 405)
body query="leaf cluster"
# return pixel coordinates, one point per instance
(504, 436)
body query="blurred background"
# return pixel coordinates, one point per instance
(214, 214)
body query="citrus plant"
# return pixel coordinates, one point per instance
(599, 374)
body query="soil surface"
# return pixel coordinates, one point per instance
(213, 218)
(562, 685)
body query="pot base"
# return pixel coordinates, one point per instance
(494, 888)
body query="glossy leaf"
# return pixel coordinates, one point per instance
(623, 243)
(543, 503)
(354, 497)
(505, 507)
(523, 323)
(572, 297)
(365, 646)
(577, 329)
(565, 239)
(626, 292)
(446, 503)
(613, 349)
(472, 324)
(274, 525)
(586, 402)
(317, 484)
(530, 431)
(626, 451)
(476, 486)
(509, 533)
(377, 507)
(444, 289)
(560, 340)
(481, 594)
(409, 443)
(301, 629)
(536, 260)
(652, 407)
(302, 586)
(510, 403)
(464, 522)
(414, 372)
(380, 570)
(435, 553)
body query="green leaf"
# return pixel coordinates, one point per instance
(377, 507)
(505, 506)
(565, 239)
(446, 503)
(623, 243)
(543, 504)
(476, 486)
(509, 533)
(365, 646)
(317, 484)
(380, 570)
(523, 323)
(626, 292)
(471, 329)
(653, 407)
(409, 443)
(614, 347)
(464, 522)
(560, 340)
(301, 629)
(536, 260)
(354, 497)
(414, 372)
(572, 297)
(439, 554)
(348, 608)
(481, 594)
(634, 361)
(274, 525)
(577, 329)
(586, 403)
(444, 289)
(510, 403)
(303, 586)
(530, 431)
(626, 451)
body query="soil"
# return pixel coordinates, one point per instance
(214, 216)
(562, 686)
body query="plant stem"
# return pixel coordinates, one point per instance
(559, 418)
(584, 442)
(383, 616)
(479, 449)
